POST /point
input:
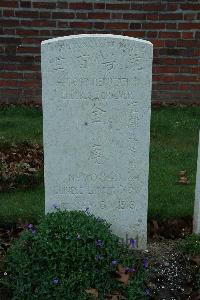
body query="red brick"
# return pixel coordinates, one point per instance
(195, 70)
(151, 34)
(116, 16)
(45, 15)
(170, 43)
(8, 83)
(9, 31)
(185, 69)
(195, 7)
(99, 25)
(189, 26)
(38, 23)
(172, 6)
(11, 75)
(8, 13)
(157, 43)
(135, 26)
(62, 15)
(138, 7)
(81, 15)
(153, 26)
(171, 16)
(25, 4)
(174, 78)
(62, 5)
(27, 14)
(62, 24)
(31, 83)
(46, 5)
(35, 41)
(28, 50)
(165, 87)
(28, 67)
(131, 16)
(60, 32)
(7, 3)
(31, 75)
(154, 7)
(116, 26)
(171, 26)
(166, 69)
(135, 33)
(80, 24)
(98, 15)
(9, 91)
(9, 22)
(187, 61)
(153, 16)
(80, 5)
(187, 43)
(26, 32)
(45, 33)
(190, 17)
(187, 35)
(165, 61)
(99, 5)
(171, 35)
(189, 87)
(118, 6)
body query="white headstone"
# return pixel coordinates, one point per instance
(96, 105)
(196, 217)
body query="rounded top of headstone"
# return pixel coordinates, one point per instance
(96, 35)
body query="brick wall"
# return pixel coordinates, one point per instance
(172, 26)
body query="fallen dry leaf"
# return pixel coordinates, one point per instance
(93, 293)
(115, 296)
(123, 275)
(182, 173)
(155, 228)
(183, 180)
(196, 259)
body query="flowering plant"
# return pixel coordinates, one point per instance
(67, 254)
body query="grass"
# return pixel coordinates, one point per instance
(25, 205)
(20, 124)
(174, 143)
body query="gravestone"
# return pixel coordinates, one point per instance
(96, 118)
(196, 216)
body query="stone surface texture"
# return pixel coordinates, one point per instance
(196, 216)
(96, 109)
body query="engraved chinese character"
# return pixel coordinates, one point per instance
(97, 113)
(83, 61)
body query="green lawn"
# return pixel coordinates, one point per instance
(20, 124)
(174, 142)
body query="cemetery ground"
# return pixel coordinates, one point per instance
(173, 157)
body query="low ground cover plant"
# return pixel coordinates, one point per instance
(73, 255)
(191, 247)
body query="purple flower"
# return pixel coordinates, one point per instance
(145, 263)
(55, 281)
(147, 292)
(114, 262)
(30, 226)
(99, 257)
(133, 243)
(132, 270)
(33, 231)
(127, 269)
(99, 243)
(100, 219)
(55, 206)
(87, 210)
(78, 237)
